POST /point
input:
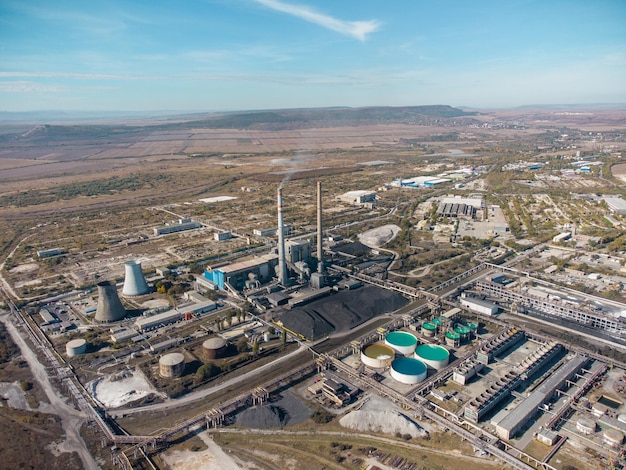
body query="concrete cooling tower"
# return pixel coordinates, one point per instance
(109, 308)
(134, 282)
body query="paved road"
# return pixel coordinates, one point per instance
(71, 418)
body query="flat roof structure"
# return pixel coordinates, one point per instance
(616, 205)
(517, 418)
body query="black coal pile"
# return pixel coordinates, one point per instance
(342, 311)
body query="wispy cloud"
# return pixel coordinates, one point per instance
(356, 29)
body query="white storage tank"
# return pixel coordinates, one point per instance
(586, 425)
(612, 437)
(171, 365)
(402, 341)
(408, 370)
(76, 347)
(377, 355)
(433, 355)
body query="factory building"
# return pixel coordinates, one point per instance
(197, 309)
(478, 407)
(500, 343)
(358, 197)
(49, 253)
(517, 419)
(236, 275)
(479, 306)
(179, 226)
(456, 210)
(271, 232)
(576, 313)
(221, 236)
(155, 321)
(616, 205)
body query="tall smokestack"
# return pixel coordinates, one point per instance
(320, 254)
(282, 265)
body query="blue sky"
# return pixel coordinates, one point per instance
(205, 55)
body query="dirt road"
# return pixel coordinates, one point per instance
(70, 417)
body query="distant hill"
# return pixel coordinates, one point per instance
(262, 120)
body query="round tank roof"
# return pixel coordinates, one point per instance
(452, 335)
(172, 359)
(461, 330)
(429, 326)
(409, 366)
(613, 436)
(76, 343)
(432, 352)
(401, 338)
(214, 343)
(379, 351)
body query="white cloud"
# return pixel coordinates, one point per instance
(356, 29)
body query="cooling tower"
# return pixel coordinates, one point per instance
(282, 264)
(109, 307)
(134, 282)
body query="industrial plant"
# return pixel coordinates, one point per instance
(337, 315)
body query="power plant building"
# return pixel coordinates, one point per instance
(236, 274)
(297, 250)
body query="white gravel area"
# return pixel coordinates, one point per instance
(120, 389)
(380, 415)
(379, 236)
(14, 395)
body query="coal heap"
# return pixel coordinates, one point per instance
(342, 311)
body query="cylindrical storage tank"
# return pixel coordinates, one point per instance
(612, 437)
(377, 355)
(408, 370)
(586, 425)
(171, 365)
(433, 355)
(267, 336)
(134, 281)
(473, 327)
(402, 342)
(109, 308)
(429, 329)
(453, 338)
(463, 332)
(76, 347)
(213, 348)
(436, 321)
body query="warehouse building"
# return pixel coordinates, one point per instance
(179, 226)
(479, 306)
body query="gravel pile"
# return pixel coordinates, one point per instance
(287, 410)
(386, 422)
